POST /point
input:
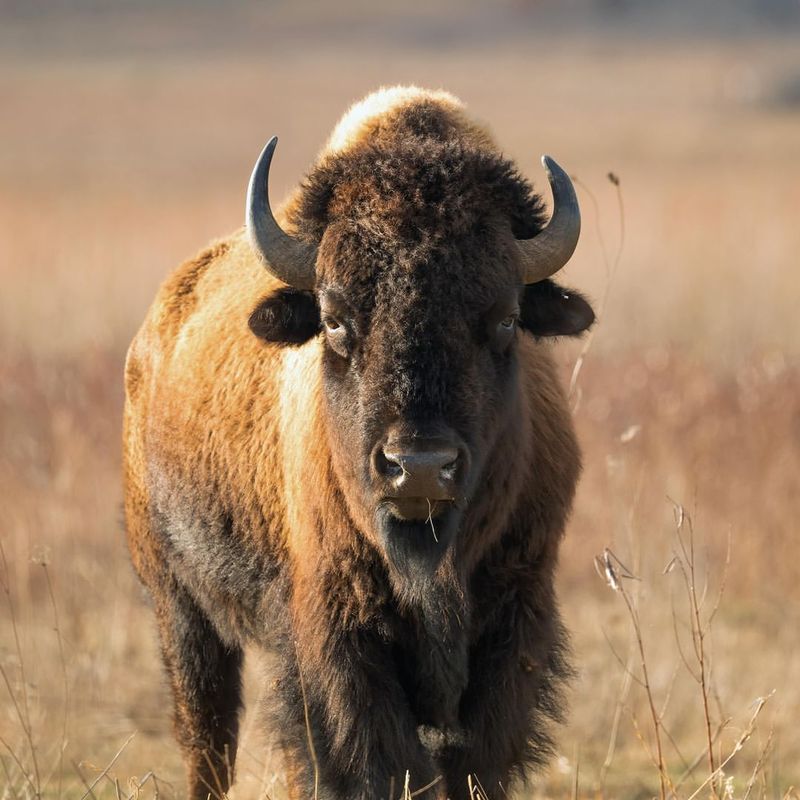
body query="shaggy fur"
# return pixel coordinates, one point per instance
(431, 647)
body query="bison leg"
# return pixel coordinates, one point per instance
(356, 718)
(509, 708)
(205, 675)
(341, 693)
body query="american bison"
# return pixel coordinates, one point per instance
(346, 444)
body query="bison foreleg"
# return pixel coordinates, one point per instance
(205, 675)
(352, 719)
(514, 695)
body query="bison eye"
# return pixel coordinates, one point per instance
(509, 322)
(337, 336)
(502, 332)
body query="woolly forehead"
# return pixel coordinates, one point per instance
(418, 204)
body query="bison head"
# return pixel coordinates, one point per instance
(420, 256)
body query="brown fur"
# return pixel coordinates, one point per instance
(245, 507)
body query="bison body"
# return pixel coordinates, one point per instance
(366, 473)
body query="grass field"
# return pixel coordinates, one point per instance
(121, 155)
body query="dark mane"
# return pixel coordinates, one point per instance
(417, 184)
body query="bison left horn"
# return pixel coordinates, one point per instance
(547, 252)
(289, 259)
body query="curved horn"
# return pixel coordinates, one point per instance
(548, 251)
(288, 259)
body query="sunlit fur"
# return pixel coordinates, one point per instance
(247, 515)
(360, 120)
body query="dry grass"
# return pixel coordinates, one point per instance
(114, 168)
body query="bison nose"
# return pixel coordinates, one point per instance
(419, 470)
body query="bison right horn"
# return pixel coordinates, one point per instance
(289, 259)
(547, 252)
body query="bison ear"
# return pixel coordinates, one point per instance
(287, 316)
(547, 309)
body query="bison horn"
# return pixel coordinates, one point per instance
(289, 259)
(547, 252)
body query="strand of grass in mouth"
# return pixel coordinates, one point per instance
(430, 519)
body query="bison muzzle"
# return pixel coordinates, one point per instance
(346, 445)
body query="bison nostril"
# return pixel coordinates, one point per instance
(388, 465)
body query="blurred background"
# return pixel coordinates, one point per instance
(127, 137)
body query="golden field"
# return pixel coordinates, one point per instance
(121, 155)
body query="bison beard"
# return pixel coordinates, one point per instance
(415, 547)
(345, 444)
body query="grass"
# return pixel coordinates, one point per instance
(115, 167)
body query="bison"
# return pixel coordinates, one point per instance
(345, 443)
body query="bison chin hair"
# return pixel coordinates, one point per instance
(415, 548)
